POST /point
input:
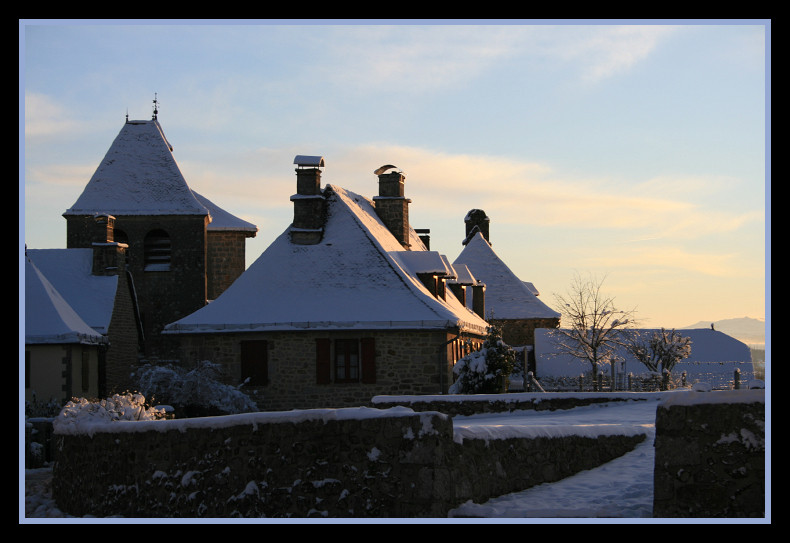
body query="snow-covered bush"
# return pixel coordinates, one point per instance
(38, 408)
(81, 413)
(486, 371)
(196, 391)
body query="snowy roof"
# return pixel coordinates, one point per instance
(138, 176)
(49, 319)
(70, 272)
(707, 346)
(506, 295)
(221, 219)
(355, 278)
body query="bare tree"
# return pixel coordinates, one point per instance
(660, 348)
(592, 324)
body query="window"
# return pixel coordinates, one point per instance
(353, 360)
(157, 251)
(346, 360)
(255, 362)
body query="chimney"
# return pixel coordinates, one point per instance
(309, 203)
(479, 299)
(425, 236)
(109, 257)
(476, 221)
(391, 205)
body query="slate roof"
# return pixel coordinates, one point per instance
(70, 272)
(357, 277)
(139, 176)
(49, 319)
(506, 295)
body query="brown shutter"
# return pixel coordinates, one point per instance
(322, 361)
(368, 360)
(255, 362)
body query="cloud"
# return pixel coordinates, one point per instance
(532, 193)
(664, 257)
(420, 58)
(604, 51)
(46, 117)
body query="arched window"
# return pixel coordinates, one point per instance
(157, 251)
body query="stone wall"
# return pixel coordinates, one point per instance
(471, 404)
(225, 260)
(122, 356)
(406, 362)
(356, 462)
(163, 296)
(710, 455)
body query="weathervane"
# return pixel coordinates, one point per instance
(156, 107)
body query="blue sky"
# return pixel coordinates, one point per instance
(636, 151)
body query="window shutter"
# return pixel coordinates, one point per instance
(255, 362)
(368, 345)
(322, 361)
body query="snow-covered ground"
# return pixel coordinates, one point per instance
(618, 491)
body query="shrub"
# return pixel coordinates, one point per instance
(82, 413)
(486, 371)
(195, 392)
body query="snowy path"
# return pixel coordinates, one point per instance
(621, 488)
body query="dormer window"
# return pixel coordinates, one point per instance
(157, 251)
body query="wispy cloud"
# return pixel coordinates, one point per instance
(531, 193)
(605, 51)
(421, 58)
(657, 258)
(44, 116)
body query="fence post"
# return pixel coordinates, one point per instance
(630, 381)
(737, 379)
(581, 383)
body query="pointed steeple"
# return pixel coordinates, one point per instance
(138, 176)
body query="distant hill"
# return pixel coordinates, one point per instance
(750, 331)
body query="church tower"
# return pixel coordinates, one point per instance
(164, 224)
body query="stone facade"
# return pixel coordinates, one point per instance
(358, 463)
(166, 291)
(225, 260)
(122, 353)
(406, 362)
(710, 457)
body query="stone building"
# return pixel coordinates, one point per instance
(346, 304)
(95, 283)
(70, 315)
(182, 250)
(511, 303)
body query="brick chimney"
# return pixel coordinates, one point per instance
(476, 221)
(309, 202)
(109, 257)
(391, 205)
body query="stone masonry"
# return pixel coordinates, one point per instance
(710, 456)
(357, 462)
(406, 362)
